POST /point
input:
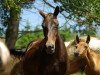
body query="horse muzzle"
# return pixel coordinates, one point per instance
(76, 54)
(50, 48)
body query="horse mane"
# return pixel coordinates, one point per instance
(19, 53)
(63, 48)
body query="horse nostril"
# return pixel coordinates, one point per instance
(76, 54)
(51, 47)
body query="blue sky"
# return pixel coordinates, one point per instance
(35, 18)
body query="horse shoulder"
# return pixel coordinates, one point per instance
(32, 48)
(33, 44)
(96, 62)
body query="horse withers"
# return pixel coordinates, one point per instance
(47, 56)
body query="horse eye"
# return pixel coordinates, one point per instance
(85, 46)
(75, 46)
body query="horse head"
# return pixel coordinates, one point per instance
(81, 46)
(50, 29)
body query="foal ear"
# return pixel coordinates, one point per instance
(42, 13)
(77, 39)
(56, 12)
(88, 39)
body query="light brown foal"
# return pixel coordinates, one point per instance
(91, 58)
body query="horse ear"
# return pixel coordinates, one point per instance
(77, 39)
(56, 12)
(88, 39)
(42, 13)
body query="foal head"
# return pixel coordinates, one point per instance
(81, 46)
(50, 29)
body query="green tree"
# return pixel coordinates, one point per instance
(66, 33)
(79, 9)
(28, 35)
(27, 27)
(11, 16)
(1, 32)
(84, 12)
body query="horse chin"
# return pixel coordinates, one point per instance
(50, 51)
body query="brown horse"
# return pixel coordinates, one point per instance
(47, 56)
(90, 57)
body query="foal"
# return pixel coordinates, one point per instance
(76, 64)
(91, 58)
(47, 56)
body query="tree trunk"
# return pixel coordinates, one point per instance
(12, 29)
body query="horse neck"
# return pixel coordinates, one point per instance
(90, 58)
(76, 65)
(60, 49)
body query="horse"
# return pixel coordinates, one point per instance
(4, 55)
(7, 58)
(90, 57)
(47, 56)
(77, 64)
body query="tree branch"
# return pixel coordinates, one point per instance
(54, 8)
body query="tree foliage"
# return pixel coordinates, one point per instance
(11, 10)
(79, 9)
(27, 35)
(26, 38)
(84, 12)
